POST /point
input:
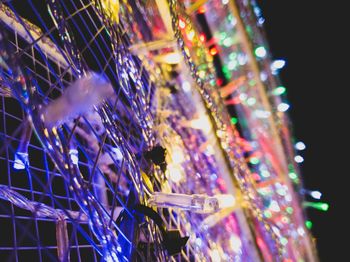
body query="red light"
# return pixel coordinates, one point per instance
(202, 37)
(182, 24)
(219, 81)
(202, 10)
(213, 51)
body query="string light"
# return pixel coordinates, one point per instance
(283, 107)
(299, 159)
(260, 52)
(280, 90)
(278, 64)
(300, 146)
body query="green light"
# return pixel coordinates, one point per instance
(252, 82)
(284, 241)
(254, 160)
(232, 56)
(292, 175)
(318, 205)
(289, 210)
(267, 214)
(279, 90)
(234, 120)
(223, 35)
(308, 224)
(225, 69)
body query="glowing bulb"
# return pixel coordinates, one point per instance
(190, 35)
(301, 231)
(251, 101)
(299, 159)
(21, 160)
(236, 243)
(263, 76)
(213, 51)
(175, 174)
(308, 224)
(278, 64)
(300, 146)
(226, 200)
(73, 153)
(198, 241)
(215, 255)
(202, 123)
(171, 58)
(274, 206)
(186, 86)
(260, 51)
(177, 156)
(292, 175)
(283, 107)
(279, 90)
(316, 194)
(234, 120)
(182, 24)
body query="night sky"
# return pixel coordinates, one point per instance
(309, 36)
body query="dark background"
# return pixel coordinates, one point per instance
(310, 36)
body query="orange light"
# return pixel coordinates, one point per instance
(213, 51)
(202, 10)
(202, 37)
(182, 24)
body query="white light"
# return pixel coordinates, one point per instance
(242, 59)
(262, 114)
(263, 76)
(21, 160)
(175, 174)
(225, 2)
(215, 255)
(243, 96)
(301, 231)
(171, 58)
(316, 194)
(260, 52)
(117, 154)
(202, 123)
(261, 20)
(177, 155)
(198, 241)
(226, 200)
(300, 146)
(277, 64)
(299, 159)
(73, 153)
(274, 206)
(282, 107)
(235, 243)
(186, 86)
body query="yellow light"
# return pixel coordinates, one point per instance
(111, 7)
